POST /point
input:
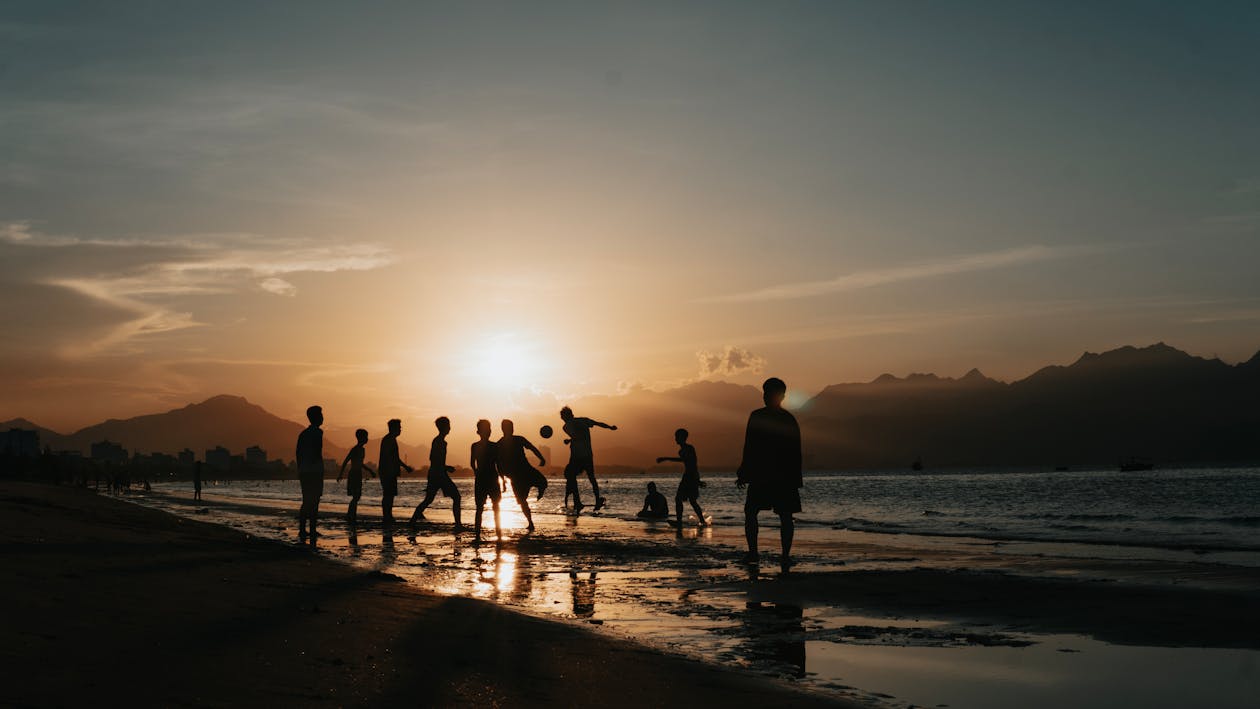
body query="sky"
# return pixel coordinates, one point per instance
(406, 209)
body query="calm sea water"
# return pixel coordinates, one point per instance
(1208, 509)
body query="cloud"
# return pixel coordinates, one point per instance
(878, 277)
(732, 360)
(279, 286)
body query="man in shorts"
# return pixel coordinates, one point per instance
(581, 455)
(689, 486)
(388, 467)
(516, 467)
(439, 479)
(310, 465)
(771, 469)
(485, 467)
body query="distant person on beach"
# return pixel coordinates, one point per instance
(197, 480)
(581, 455)
(439, 479)
(689, 486)
(771, 469)
(310, 465)
(655, 506)
(485, 466)
(354, 483)
(388, 467)
(514, 464)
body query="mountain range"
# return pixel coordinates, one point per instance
(1156, 402)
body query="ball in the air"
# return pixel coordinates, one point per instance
(545, 431)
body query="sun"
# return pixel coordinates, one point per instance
(505, 362)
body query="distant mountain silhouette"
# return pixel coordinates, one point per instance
(228, 421)
(48, 438)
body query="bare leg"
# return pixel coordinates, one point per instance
(498, 530)
(678, 500)
(786, 529)
(429, 495)
(695, 505)
(353, 512)
(387, 507)
(455, 510)
(750, 530)
(524, 501)
(480, 502)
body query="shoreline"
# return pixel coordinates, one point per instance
(211, 616)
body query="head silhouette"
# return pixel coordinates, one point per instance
(508, 427)
(566, 413)
(681, 436)
(443, 424)
(395, 426)
(773, 392)
(651, 487)
(483, 428)
(360, 435)
(315, 415)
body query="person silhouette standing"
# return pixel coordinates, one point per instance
(354, 483)
(310, 465)
(581, 455)
(514, 464)
(388, 467)
(439, 478)
(484, 461)
(689, 486)
(197, 480)
(771, 469)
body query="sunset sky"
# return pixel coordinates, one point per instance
(476, 208)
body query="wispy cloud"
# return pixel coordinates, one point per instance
(987, 261)
(731, 361)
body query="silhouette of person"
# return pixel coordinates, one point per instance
(354, 483)
(771, 469)
(439, 479)
(485, 466)
(197, 480)
(581, 455)
(689, 486)
(310, 465)
(655, 506)
(514, 464)
(388, 467)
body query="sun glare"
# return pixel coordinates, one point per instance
(505, 363)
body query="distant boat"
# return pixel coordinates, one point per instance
(1134, 464)
(917, 465)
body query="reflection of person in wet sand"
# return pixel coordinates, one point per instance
(581, 454)
(583, 590)
(354, 481)
(439, 476)
(689, 487)
(771, 468)
(514, 465)
(776, 632)
(655, 506)
(388, 467)
(310, 465)
(485, 467)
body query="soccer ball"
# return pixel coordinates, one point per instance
(545, 431)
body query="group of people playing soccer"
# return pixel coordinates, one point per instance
(770, 469)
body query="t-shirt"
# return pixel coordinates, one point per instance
(772, 449)
(388, 465)
(486, 457)
(310, 451)
(512, 460)
(579, 431)
(437, 456)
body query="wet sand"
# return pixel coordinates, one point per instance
(111, 603)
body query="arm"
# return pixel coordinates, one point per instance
(370, 471)
(797, 462)
(530, 446)
(472, 458)
(740, 480)
(601, 424)
(342, 471)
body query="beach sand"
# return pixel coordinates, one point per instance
(111, 603)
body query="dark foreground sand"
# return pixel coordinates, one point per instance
(110, 604)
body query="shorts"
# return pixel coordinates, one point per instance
(312, 485)
(389, 486)
(783, 500)
(526, 479)
(688, 489)
(578, 466)
(354, 487)
(441, 481)
(487, 488)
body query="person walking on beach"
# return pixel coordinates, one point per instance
(197, 480)
(485, 466)
(655, 506)
(771, 469)
(439, 476)
(310, 465)
(354, 483)
(388, 467)
(581, 454)
(514, 464)
(689, 486)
